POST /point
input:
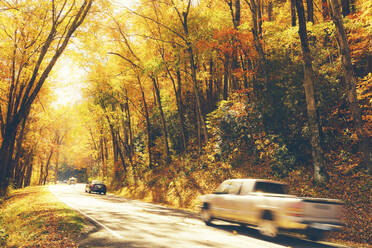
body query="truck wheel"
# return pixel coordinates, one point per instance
(267, 226)
(314, 234)
(205, 214)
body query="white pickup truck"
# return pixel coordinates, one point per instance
(265, 204)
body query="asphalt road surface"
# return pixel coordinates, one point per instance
(119, 222)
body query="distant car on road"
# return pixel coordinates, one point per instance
(72, 180)
(96, 186)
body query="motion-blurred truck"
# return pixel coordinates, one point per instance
(265, 204)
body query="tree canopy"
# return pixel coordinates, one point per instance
(176, 91)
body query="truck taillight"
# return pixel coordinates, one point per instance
(341, 212)
(296, 209)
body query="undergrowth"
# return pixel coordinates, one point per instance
(31, 217)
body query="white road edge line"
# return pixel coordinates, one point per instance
(90, 217)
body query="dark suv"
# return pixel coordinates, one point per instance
(96, 186)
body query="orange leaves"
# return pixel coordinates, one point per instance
(226, 40)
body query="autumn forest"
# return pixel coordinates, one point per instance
(175, 96)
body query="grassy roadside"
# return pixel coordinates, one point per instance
(32, 217)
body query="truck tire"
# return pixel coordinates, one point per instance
(267, 226)
(315, 234)
(205, 214)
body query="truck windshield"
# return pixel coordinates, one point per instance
(272, 188)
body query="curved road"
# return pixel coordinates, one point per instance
(120, 222)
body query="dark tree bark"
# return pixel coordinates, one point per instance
(210, 99)
(20, 152)
(293, 12)
(262, 67)
(350, 83)
(116, 144)
(163, 121)
(259, 16)
(226, 76)
(148, 125)
(235, 12)
(270, 11)
(319, 170)
(184, 22)
(27, 179)
(59, 141)
(325, 10)
(46, 174)
(310, 11)
(129, 121)
(345, 7)
(178, 94)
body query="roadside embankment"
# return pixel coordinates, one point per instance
(32, 217)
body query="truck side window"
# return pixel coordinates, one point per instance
(272, 188)
(234, 188)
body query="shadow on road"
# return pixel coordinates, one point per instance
(285, 240)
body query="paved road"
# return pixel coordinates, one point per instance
(119, 222)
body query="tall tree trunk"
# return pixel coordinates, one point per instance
(148, 125)
(163, 122)
(319, 170)
(181, 110)
(184, 21)
(262, 69)
(6, 155)
(116, 157)
(56, 166)
(350, 83)
(293, 12)
(46, 174)
(129, 121)
(353, 6)
(41, 176)
(210, 98)
(345, 7)
(18, 166)
(235, 14)
(178, 94)
(197, 95)
(325, 10)
(116, 147)
(27, 180)
(310, 11)
(226, 77)
(259, 16)
(270, 11)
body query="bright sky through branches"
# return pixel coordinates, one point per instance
(67, 82)
(68, 79)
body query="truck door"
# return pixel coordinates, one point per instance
(244, 204)
(230, 201)
(223, 202)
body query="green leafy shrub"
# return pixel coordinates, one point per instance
(3, 237)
